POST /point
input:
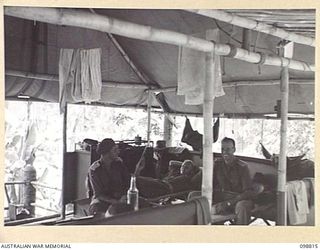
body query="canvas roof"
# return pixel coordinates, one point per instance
(33, 47)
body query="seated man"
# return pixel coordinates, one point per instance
(150, 187)
(108, 178)
(173, 169)
(232, 185)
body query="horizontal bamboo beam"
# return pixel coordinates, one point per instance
(164, 90)
(102, 23)
(256, 25)
(140, 74)
(265, 83)
(111, 84)
(237, 83)
(55, 78)
(239, 116)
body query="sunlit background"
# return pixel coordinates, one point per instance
(37, 127)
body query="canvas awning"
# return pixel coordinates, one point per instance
(252, 90)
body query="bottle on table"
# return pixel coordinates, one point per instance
(133, 194)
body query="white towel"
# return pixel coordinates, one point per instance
(82, 69)
(192, 76)
(64, 71)
(90, 75)
(297, 202)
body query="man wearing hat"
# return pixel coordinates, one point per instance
(108, 177)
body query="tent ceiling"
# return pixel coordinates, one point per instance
(34, 47)
(299, 21)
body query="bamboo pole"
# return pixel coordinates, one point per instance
(7, 194)
(55, 78)
(64, 161)
(128, 59)
(167, 131)
(149, 117)
(127, 85)
(266, 83)
(246, 40)
(133, 66)
(208, 162)
(238, 116)
(166, 112)
(164, 90)
(173, 89)
(281, 195)
(255, 25)
(83, 19)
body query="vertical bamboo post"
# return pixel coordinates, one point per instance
(207, 175)
(149, 116)
(246, 40)
(282, 166)
(167, 131)
(64, 153)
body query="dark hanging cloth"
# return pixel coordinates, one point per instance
(194, 138)
(216, 127)
(265, 152)
(299, 169)
(187, 131)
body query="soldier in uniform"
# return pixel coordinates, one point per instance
(232, 185)
(108, 178)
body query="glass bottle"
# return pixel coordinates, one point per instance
(133, 194)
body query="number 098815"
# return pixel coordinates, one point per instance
(308, 246)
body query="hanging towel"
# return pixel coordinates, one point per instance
(90, 75)
(297, 202)
(192, 75)
(311, 190)
(64, 72)
(82, 69)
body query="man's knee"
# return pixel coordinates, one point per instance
(243, 212)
